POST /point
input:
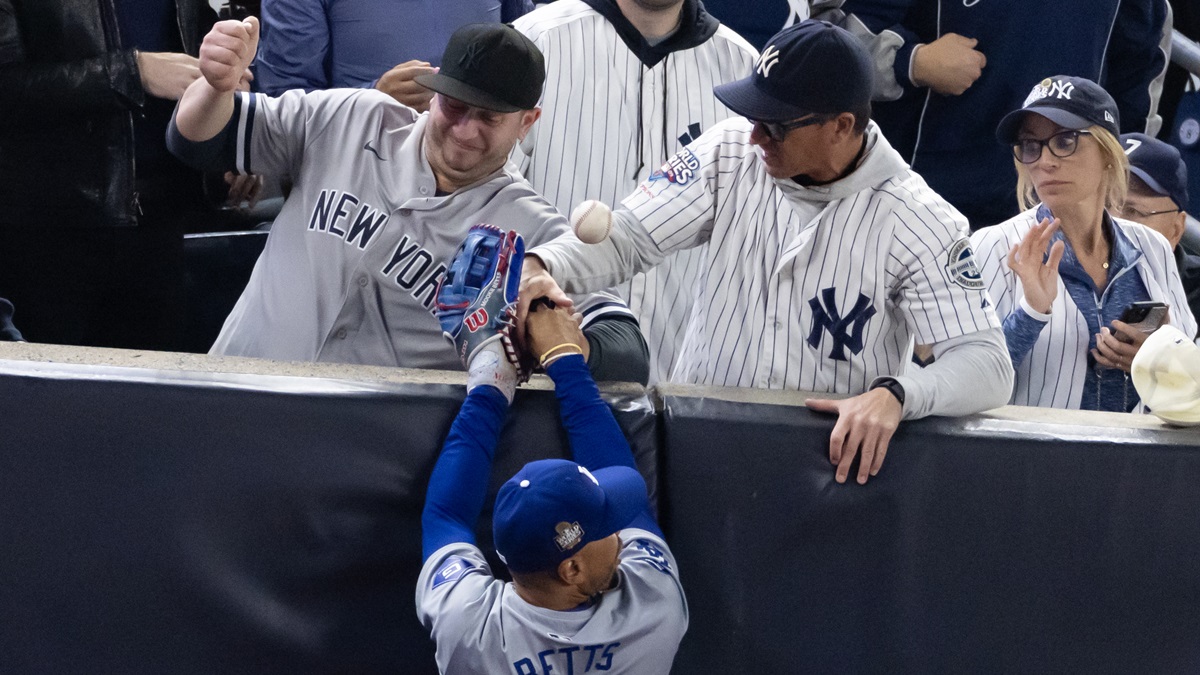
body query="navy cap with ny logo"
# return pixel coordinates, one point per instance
(1070, 102)
(811, 67)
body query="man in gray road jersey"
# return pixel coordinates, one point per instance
(382, 198)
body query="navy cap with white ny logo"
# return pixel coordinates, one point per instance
(1070, 102)
(811, 67)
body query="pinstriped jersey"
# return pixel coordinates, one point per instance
(608, 120)
(818, 288)
(1052, 374)
(353, 260)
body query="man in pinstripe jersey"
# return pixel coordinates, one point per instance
(628, 83)
(827, 259)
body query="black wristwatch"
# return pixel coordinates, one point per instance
(893, 386)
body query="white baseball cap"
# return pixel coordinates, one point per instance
(1166, 374)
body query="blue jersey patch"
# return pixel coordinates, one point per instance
(452, 569)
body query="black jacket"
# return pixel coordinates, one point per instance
(68, 93)
(8, 333)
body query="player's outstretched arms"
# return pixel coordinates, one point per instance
(865, 426)
(458, 485)
(225, 56)
(474, 305)
(596, 440)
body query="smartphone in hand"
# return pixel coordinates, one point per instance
(1146, 317)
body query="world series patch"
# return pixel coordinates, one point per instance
(961, 267)
(679, 169)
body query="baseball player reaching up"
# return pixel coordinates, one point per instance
(595, 587)
(382, 196)
(827, 256)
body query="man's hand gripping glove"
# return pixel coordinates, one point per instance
(476, 301)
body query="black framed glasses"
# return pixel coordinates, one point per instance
(1061, 145)
(777, 131)
(1131, 213)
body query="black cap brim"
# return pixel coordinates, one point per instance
(747, 100)
(1006, 131)
(461, 91)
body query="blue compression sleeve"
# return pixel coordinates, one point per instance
(459, 482)
(1021, 331)
(596, 439)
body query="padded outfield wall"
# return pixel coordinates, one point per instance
(221, 515)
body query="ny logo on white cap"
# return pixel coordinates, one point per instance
(769, 58)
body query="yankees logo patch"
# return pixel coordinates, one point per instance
(679, 169)
(452, 570)
(961, 267)
(845, 331)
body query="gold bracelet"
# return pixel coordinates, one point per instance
(542, 361)
(546, 364)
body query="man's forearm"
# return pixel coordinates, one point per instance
(970, 374)
(458, 485)
(597, 441)
(203, 111)
(617, 350)
(584, 268)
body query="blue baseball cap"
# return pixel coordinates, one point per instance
(553, 508)
(1159, 165)
(1070, 102)
(810, 67)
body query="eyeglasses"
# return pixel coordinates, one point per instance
(1063, 144)
(777, 131)
(1131, 213)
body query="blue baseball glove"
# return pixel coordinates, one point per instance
(477, 297)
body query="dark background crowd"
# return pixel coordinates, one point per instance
(95, 213)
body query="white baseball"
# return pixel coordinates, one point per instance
(591, 221)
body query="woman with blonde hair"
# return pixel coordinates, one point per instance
(1063, 272)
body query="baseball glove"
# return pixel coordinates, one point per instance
(477, 297)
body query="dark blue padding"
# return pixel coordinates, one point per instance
(217, 266)
(983, 546)
(155, 527)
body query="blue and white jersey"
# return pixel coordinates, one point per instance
(821, 288)
(481, 625)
